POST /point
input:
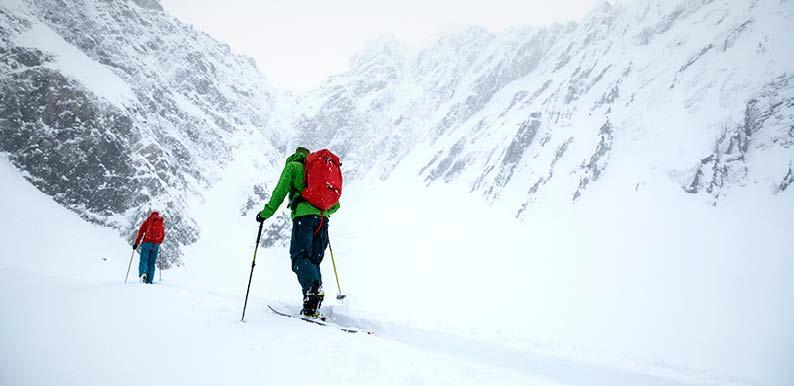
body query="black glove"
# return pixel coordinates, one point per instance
(260, 219)
(134, 246)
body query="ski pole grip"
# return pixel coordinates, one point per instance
(259, 233)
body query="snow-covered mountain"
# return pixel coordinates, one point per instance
(701, 92)
(116, 107)
(602, 202)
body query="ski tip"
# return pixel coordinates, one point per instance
(275, 311)
(322, 322)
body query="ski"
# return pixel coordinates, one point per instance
(321, 322)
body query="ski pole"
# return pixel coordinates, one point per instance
(129, 266)
(251, 276)
(339, 295)
(160, 267)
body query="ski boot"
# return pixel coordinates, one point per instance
(143, 278)
(312, 301)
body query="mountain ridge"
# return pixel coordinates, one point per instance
(528, 115)
(547, 84)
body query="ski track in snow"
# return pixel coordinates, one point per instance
(559, 369)
(100, 330)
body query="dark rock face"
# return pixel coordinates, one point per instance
(763, 126)
(73, 148)
(787, 180)
(110, 161)
(445, 163)
(515, 153)
(727, 161)
(598, 161)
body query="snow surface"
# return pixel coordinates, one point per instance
(69, 319)
(637, 283)
(441, 296)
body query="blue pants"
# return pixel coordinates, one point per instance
(148, 259)
(307, 248)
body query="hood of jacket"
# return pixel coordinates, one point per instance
(297, 157)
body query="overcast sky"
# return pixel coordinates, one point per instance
(299, 43)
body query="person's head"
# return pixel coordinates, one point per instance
(302, 150)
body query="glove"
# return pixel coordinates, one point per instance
(134, 246)
(260, 219)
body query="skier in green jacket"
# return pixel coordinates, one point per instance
(309, 230)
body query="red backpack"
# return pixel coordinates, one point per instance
(323, 179)
(156, 231)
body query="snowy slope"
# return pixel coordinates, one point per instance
(647, 281)
(63, 280)
(70, 320)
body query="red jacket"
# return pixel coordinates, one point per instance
(152, 230)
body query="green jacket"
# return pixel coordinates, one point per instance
(290, 184)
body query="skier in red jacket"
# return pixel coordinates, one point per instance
(153, 232)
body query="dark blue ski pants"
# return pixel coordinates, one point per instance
(307, 248)
(148, 259)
